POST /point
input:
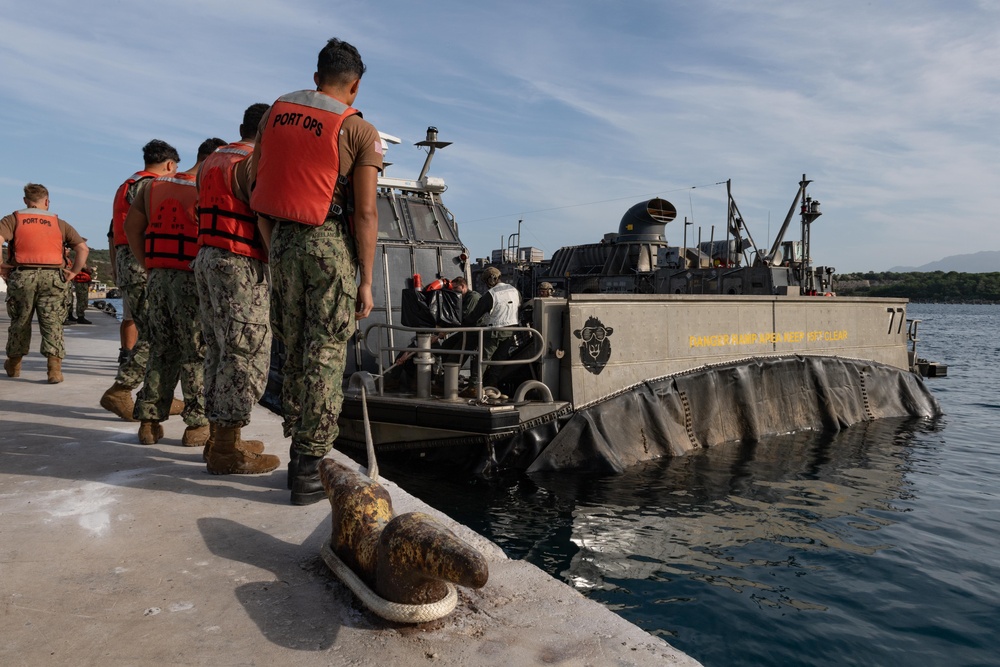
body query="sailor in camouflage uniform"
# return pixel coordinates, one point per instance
(36, 279)
(162, 230)
(316, 160)
(160, 159)
(234, 295)
(70, 292)
(81, 285)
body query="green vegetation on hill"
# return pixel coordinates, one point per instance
(100, 259)
(925, 286)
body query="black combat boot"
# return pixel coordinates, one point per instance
(307, 488)
(293, 463)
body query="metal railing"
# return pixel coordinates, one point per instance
(911, 338)
(424, 354)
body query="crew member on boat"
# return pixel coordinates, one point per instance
(499, 305)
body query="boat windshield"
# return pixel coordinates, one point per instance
(429, 222)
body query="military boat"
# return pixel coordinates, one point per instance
(648, 349)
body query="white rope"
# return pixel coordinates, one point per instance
(369, 442)
(391, 611)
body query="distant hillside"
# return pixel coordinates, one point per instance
(925, 286)
(99, 258)
(986, 261)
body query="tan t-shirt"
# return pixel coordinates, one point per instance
(7, 224)
(243, 174)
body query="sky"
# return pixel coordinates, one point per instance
(562, 114)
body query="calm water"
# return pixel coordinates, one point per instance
(879, 545)
(117, 303)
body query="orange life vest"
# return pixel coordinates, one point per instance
(37, 238)
(172, 229)
(225, 221)
(121, 206)
(299, 168)
(82, 277)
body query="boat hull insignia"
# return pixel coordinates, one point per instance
(595, 345)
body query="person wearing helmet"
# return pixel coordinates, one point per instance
(545, 290)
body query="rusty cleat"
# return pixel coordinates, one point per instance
(401, 567)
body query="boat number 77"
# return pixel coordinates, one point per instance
(892, 319)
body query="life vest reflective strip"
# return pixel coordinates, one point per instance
(299, 168)
(37, 238)
(172, 229)
(225, 221)
(121, 205)
(506, 301)
(82, 277)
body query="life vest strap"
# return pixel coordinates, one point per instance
(216, 212)
(179, 254)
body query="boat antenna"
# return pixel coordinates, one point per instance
(431, 142)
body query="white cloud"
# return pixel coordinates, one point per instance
(889, 106)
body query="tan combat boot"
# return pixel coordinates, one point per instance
(196, 436)
(208, 443)
(229, 455)
(255, 446)
(118, 399)
(13, 367)
(176, 407)
(150, 432)
(55, 370)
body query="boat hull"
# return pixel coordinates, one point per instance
(639, 377)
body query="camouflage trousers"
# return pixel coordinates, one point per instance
(131, 279)
(312, 305)
(496, 346)
(176, 349)
(82, 297)
(234, 301)
(30, 291)
(68, 300)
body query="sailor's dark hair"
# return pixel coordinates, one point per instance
(158, 151)
(251, 120)
(208, 147)
(339, 63)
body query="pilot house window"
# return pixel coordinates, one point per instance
(429, 223)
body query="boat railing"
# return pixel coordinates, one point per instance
(424, 354)
(911, 338)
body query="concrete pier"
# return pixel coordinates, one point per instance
(115, 553)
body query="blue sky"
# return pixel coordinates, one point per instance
(562, 114)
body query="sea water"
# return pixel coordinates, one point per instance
(117, 303)
(878, 545)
